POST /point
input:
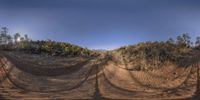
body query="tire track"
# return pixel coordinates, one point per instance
(31, 90)
(154, 96)
(48, 71)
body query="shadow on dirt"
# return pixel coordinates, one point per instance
(189, 62)
(98, 68)
(47, 71)
(3, 73)
(24, 87)
(3, 98)
(93, 70)
(197, 93)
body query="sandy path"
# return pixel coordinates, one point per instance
(79, 84)
(101, 79)
(120, 83)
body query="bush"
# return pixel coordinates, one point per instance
(51, 48)
(155, 54)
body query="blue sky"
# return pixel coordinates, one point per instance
(101, 24)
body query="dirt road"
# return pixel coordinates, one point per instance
(96, 78)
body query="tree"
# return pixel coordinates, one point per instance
(3, 35)
(17, 37)
(4, 31)
(26, 38)
(9, 38)
(170, 41)
(179, 40)
(183, 40)
(197, 43)
(22, 39)
(186, 39)
(1, 38)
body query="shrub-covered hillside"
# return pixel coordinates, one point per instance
(152, 53)
(19, 42)
(50, 48)
(146, 55)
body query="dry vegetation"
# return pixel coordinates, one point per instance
(152, 54)
(48, 70)
(49, 48)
